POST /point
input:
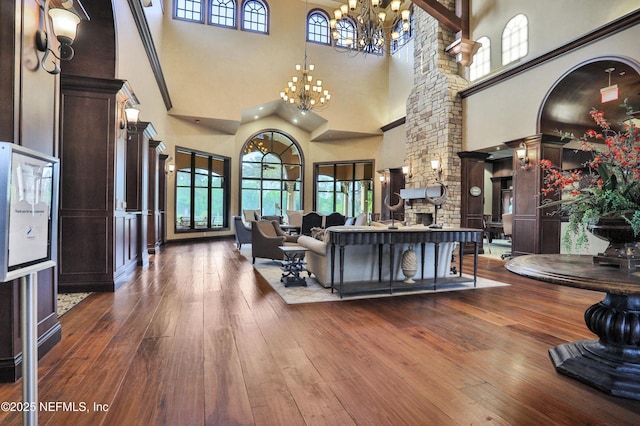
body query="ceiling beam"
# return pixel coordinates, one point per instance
(441, 13)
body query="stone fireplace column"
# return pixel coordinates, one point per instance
(434, 116)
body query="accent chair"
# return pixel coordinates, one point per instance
(251, 215)
(242, 232)
(311, 220)
(334, 219)
(294, 217)
(265, 241)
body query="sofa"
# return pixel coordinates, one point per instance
(361, 261)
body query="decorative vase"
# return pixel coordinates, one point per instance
(409, 264)
(624, 246)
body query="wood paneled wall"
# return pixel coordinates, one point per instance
(534, 230)
(98, 236)
(28, 117)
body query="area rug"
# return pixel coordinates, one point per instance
(315, 293)
(66, 301)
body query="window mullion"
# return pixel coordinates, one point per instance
(192, 202)
(209, 190)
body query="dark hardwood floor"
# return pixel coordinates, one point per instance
(200, 338)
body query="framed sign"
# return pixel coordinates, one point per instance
(29, 204)
(475, 191)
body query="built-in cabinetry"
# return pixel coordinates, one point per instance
(472, 203)
(139, 141)
(535, 230)
(472, 174)
(99, 229)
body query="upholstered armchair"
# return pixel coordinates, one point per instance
(334, 219)
(311, 220)
(280, 233)
(294, 217)
(242, 231)
(265, 241)
(251, 215)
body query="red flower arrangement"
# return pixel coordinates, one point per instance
(609, 186)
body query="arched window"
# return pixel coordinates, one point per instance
(403, 35)
(318, 27)
(223, 13)
(481, 64)
(344, 35)
(271, 174)
(255, 16)
(515, 39)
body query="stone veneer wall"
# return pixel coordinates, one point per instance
(434, 116)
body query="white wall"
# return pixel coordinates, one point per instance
(509, 110)
(133, 65)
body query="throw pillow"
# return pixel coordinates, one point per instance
(317, 233)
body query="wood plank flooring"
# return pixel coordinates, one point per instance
(200, 338)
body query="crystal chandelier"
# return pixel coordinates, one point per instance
(361, 25)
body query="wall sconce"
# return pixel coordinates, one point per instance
(63, 24)
(382, 179)
(436, 166)
(129, 115)
(171, 168)
(406, 171)
(521, 154)
(132, 114)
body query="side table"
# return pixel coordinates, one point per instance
(293, 265)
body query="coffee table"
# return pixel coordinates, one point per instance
(293, 265)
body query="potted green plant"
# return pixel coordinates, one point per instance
(608, 189)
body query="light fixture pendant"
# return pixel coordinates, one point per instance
(363, 26)
(303, 91)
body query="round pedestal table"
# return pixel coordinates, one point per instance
(612, 363)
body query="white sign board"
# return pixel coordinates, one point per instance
(28, 197)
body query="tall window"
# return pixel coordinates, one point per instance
(515, 39)
(223, 13)
(318, 27)
(345, 33)
(271, 174)
(255, 16)
(202, 191)
(346, 188)
(481, 64)
(403, 36)
(189, 10)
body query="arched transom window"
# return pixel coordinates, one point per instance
(515, 39)
(271, 174)
(255, 16)
(318, 27)
(481, 64)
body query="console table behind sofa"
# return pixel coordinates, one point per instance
(342, 236)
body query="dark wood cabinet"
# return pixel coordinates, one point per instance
(472, 189)
(98, 236)
(139, 136)
(535, 231)
(27, 118)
